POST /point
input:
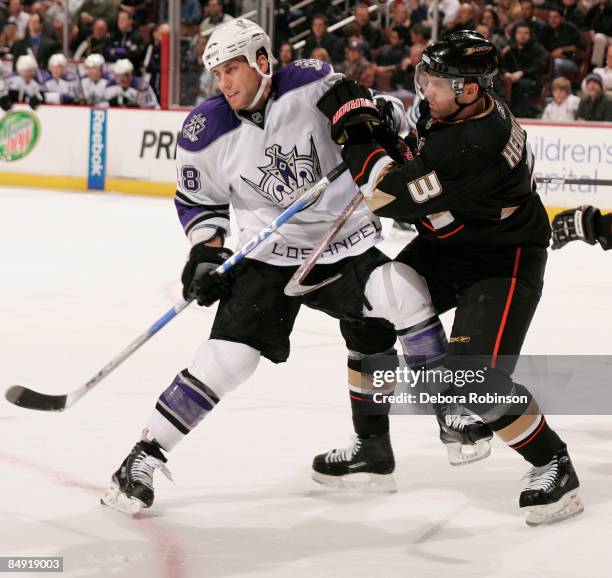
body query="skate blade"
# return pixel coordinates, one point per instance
(460, 455)
(118, 501)
(361, 481)
(568, 506)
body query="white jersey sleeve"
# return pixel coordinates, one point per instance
(202, 194)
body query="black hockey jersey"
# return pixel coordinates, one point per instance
(470, 183)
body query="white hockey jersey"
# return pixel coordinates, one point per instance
(92, 93)
(63, 90)
(138, 94)
(24, 89)
(223, 157)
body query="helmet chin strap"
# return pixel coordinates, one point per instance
(461, 106)
(265, 80)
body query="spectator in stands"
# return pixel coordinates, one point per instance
(153, 67)
(418, 11)
(355, 61)
(321, 38)
(564, 105)
(596, 105)
(573, 12)
(465, 19)
(508, 12)
(41, 47)
(128, 91)
(390, 55)
(191, 12)
(91, 10)
(17, 15)
(286, 55)
(208, 85)
(352, 34)
(136, 8)
(490, 19)
(524, 64)
(126, 42)
(23, 86)
(8, 37)
(320, 54)
(401, 19)
(528, 15)
(215, 15)
(368, 77)
(62, 87)
(599, 22)
(419, 34)
(562, 40)
(606, 72)
(96, 43)
(48, 30)
(448, 12)
(94, 83)
(56, 13)
(402, 81)
(369, 31)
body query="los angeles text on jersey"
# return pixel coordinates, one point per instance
(334, 248)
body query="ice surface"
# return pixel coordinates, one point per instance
(84, 274)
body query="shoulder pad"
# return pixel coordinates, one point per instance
(206, 123)
(298, 74)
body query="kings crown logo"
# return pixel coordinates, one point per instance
(194, 126)
(288, 175)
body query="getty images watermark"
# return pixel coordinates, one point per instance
(561, 384)
(387, 378)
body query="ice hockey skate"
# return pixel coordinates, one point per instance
(366, 464)
(465, 435)
(132, 484)
(551, 493)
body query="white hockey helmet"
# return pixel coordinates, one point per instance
(95, 61)
(58, 60)
(26, 62)
(239, 37)
(123, 66)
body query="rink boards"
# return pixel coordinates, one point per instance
(132, 151)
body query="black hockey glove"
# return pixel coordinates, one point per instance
(575, 224)
(5, 102)
(387, 136)
(34, 102)
(351, 111)
(198, 281)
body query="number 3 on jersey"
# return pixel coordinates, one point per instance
(190, 179)
(423, 188)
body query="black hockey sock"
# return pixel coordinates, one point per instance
(370, 412)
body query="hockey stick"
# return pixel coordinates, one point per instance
(28, 398)
(564, 181)
(295, 288)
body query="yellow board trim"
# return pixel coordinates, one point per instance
(128, 186)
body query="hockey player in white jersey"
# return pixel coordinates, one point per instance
(62, 87)
(94, 83)
(23, 86)
(254, 146)
(127, 90)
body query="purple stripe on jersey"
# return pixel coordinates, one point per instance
(297, 74)
(206, 123)
(187, 214)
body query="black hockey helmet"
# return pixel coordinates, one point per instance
(464, 56)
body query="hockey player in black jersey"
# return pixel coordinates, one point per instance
(483, 235)
(584, 223)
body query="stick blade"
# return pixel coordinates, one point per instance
(29, 399)
(295, 289)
